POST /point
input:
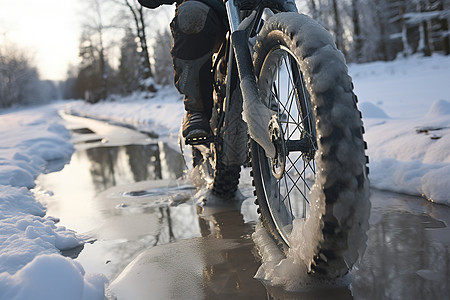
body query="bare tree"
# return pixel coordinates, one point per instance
(313, 8)
(338, 31)
(130, 63)
(92, 49)
(90, 77)
(137, 13)
(445, 21)
(19, 78)
(357, 39)
(381, 29)
(367, 30)
(163, 60)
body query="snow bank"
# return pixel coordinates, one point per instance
(52, 277)
(29, 141)
(439, 108)
(370, 110)
(412, 156)
(406, 111)
(30, 264)
(404, 88)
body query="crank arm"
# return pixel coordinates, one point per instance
(202, 148)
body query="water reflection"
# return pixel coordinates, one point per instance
(228, 274)
(89, 196)
(111, 166)
(401, 261)
(218, 265)
(123, 237)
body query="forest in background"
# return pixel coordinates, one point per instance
(126, 48)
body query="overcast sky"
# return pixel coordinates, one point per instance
(48, 29)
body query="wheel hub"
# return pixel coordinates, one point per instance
(276, 136)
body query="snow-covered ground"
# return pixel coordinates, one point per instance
(34, 141)
(406, 111)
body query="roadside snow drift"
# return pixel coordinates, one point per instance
(30, 264)
(411, 156)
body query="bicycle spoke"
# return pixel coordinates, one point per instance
(283, 106)
(297, 188)
(289, 99)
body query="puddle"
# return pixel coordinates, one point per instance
(407, 256)
(121, 190)
(218, 265)
(120, 197)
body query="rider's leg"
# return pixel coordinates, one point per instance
(197, 32)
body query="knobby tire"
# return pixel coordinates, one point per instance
(318, 108)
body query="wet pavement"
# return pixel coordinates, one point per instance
(152, 240)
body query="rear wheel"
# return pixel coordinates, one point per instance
(313, 195)
(224, 180)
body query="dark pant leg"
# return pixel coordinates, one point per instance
(197, 32)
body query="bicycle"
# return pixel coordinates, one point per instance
(302, 134)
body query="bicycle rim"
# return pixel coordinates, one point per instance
(288, 179)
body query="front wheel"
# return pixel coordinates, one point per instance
(313, 196)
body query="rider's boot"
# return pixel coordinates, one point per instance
(196, 128)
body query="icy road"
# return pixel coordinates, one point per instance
(153, 241)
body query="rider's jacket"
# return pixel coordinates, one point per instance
(217, 5)
(155, 3)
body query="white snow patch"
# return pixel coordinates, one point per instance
(52, 277)
(30, 264)
(439, 108)
(412, 156)
(370, 110)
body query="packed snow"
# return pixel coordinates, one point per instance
(406, 111)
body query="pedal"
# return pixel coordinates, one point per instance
(198, 140)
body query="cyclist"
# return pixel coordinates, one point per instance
(198, 29)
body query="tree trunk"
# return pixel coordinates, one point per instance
(139, 21)
(145, 53)
(313, 7)
(103, 80)
(445, 26)
(424, 43)
(446, 39)
(356, 32)
(406, 47)
(338, 32)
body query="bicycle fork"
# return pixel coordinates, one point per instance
(257, 116)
